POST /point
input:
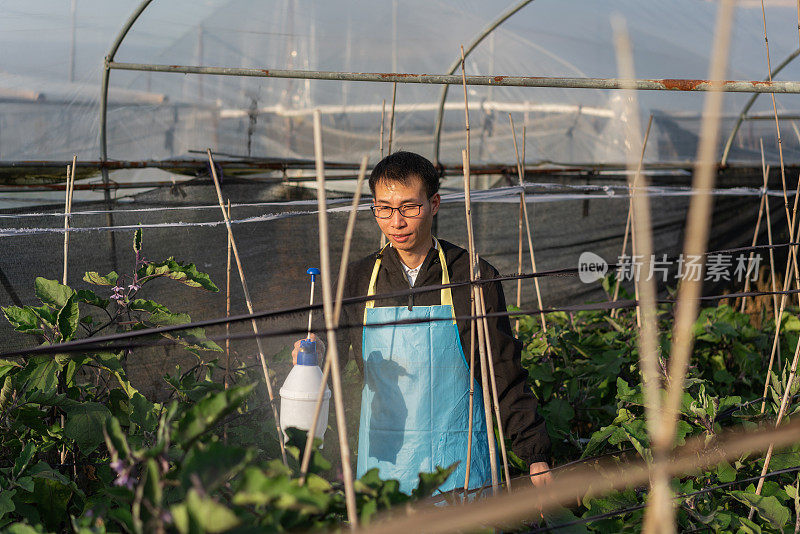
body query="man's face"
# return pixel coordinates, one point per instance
(409, 233)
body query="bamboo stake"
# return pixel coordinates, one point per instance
(70, 187)
(383, 112)
(519, 235)
(790, 260)
(792, 373)
(228, 307)
(780, 153)
(337, 309)
(249, 302)
(775, 111)
(629, 221)
(490, 358)
(519, 260)
(758, 227)
(636, 272)
(226, 379)
(471, 246)
(588, 482)
(695, 244)
(391, 119)
(333, 356)
(482, 355)
(772, 268)
(527, 225)
(658, 514)
(487, 401)
(67, 210)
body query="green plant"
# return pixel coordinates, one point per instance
(80, 455)
(585, 371)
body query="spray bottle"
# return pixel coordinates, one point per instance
(300, 390)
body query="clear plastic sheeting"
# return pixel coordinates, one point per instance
(44, 116)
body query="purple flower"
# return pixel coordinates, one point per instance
(134, 287)
(118, 466)
(119, 293)
(123, 474)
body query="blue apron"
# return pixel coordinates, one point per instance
(415, 399)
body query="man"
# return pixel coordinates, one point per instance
(415, 397)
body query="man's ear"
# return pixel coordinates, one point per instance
(435, 201)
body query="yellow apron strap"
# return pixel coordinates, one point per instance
(372, 279)
(446, 296)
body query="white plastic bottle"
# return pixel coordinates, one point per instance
(300, 390)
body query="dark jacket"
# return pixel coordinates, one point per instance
(521, 422)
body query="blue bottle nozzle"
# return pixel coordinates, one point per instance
(308, 353)
(314, 272)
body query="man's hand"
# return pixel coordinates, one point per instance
(320, 348)
(540, 474)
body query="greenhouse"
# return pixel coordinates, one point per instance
(525, 266)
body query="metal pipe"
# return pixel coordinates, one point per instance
(104, 89)
(750, 102)
(664, 84)
(453, 66)
(104, 120)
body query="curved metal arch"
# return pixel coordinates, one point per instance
(749, 105)
(475, 42)
(104, 90)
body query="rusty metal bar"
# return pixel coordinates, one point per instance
(665, 84)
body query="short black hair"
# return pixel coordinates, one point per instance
(402, 167)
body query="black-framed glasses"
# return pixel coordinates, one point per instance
(406, 210)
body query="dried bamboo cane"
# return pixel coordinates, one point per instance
(227, 376)
(778, 420)
(659, 510)
(786, 282)
(792, 373)
(67, 211)
(695, 244)
(758, 227)
(629, 222)
(487, 401)
(481, 353)
(249, 302)
(519, 234)
(337, 309)
(228, 307)
(772, 268)
(775, 111)
(780, 154)
(528, 226)
(333, 356)
(790, 260)
(471, 248)
(589, 482)
(780, 150)
(383, 113)
(490, 358)
(391, 119)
